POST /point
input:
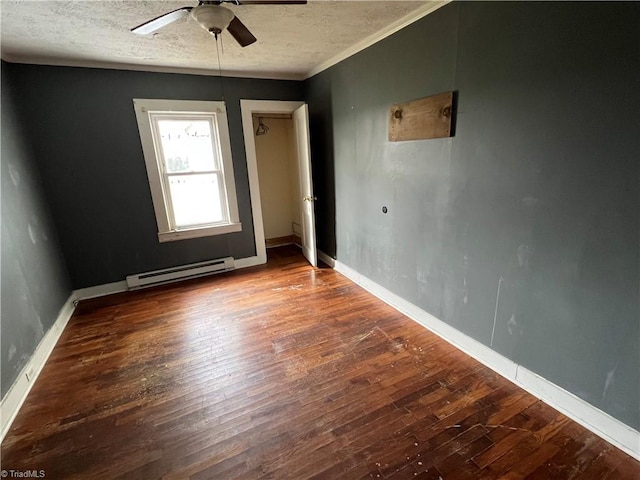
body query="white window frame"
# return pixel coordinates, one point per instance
(147, 110)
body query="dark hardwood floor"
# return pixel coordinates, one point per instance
(282, 372)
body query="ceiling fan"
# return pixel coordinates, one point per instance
(213, 17)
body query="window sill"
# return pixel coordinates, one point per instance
(199, 232)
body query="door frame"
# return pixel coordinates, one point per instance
(249, 108)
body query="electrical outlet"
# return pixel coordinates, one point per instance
(30, 373)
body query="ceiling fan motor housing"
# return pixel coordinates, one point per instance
(213, 18)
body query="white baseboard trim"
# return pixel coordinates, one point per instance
(251, 261)
(100, 290)
(118, 287)
(602, 424)
(18, 392)
(326, 259)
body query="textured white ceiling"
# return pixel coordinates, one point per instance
(294, 41)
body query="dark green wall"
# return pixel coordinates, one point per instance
(85, 140)
(537, 192)
(35, 282)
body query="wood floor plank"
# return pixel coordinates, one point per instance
(282, 371)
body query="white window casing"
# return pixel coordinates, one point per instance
(150, 113)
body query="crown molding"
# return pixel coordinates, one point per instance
(414, 16)
(63, 62)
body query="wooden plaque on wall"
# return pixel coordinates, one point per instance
(428, 117)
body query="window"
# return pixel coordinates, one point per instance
(188, 158)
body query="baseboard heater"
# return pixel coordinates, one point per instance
(183, 272)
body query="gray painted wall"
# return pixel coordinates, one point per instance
(537, 192)
(88, 150)
(35, 282)
(318, 96)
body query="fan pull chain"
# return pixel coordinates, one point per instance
(220, 68)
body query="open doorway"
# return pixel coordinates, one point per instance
(279, 178)
(302, 195)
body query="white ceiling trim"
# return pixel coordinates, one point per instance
(62, 62)
(376, 37)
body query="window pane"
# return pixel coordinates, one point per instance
(187, 145)
(196, 199)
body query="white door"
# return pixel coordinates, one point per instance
(301, 128)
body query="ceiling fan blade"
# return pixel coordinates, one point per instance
(241, 33)
(159, 22)
(271, 2)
